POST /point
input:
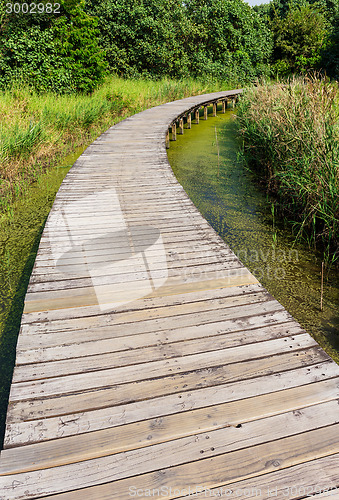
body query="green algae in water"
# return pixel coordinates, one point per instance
(20, 231)
(241, 214)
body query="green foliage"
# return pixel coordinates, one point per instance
(299, 39)
(31, 55)
(16, 142)
(75, 35)
(305, 35)
(281, 8)
(222, 38)
(147, 37)
(58, 53)
(230, 38)
(330, 55)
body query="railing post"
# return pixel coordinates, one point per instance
(167, 141)
(181, 126)
(189, 120)
(224, 106)
(214, 109)
(197, 115)
(205, 112)
(174, 131)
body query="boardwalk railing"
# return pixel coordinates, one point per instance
(150, 361)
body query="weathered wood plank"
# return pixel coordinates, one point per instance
(148, 432)
(300, 481)
(74, 383)
(23, 424)
(290, 483)
(234, 319)
(123, 351)
(131, 392)
(67, 299)
(266, 457)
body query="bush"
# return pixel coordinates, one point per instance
(330, 54)
(230, 37)
(222, 38)
(146, 37)
(75, 34)
(299, 39)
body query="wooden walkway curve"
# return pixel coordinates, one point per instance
(150, 362)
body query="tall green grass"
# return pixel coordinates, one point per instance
(290, 135)
(36, 131)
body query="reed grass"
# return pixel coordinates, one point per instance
(290, 134)
(36, 131)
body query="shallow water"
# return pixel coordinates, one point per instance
(20, 232)
(241, 214)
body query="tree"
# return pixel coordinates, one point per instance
(221, 38)
(280, 8)
(330, 54)
(299, 38)
(144, 36)
(76, 40)
(57, 52)
(230, 40)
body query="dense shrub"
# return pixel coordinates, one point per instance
(230, 39)
(221, 38)
(147, 37)
(51, 52)
(330, 54)
(299, 39)
(305, 35)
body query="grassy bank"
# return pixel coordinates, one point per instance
(291, 138)
(36, 131)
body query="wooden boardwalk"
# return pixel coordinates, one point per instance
(150, 362)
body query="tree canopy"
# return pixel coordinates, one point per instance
(225, 38)
(73, 49)
(58, 52)
(299, 38)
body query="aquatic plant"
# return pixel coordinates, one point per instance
(290, 133)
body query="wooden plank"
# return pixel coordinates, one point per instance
(22, 425)
(116, 273)
(205, 248)
(73, 265)
(79, 298)
(172, 288)
(124, 394)
(212, 470)
(47, 258)
(307, 480)
(333, 492)
(125, 351)
(148, 432)
(166, 222)
(94, 331)
(73, 383)
(206, 271)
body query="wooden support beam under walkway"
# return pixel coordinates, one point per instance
(150, 361)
